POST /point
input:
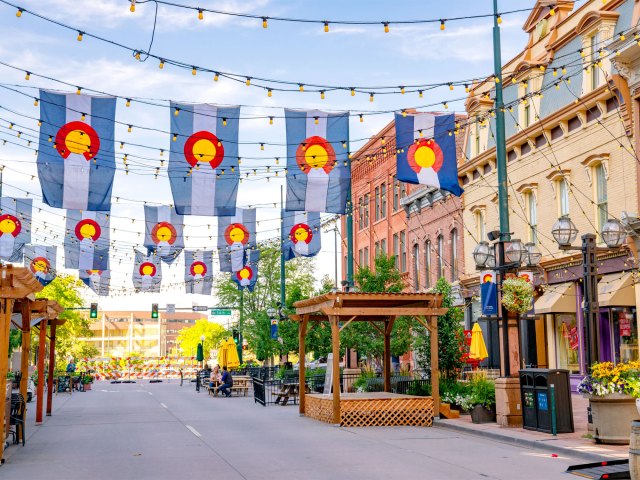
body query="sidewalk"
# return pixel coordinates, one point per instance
(573, 444)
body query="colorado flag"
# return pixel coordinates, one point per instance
(247, 276)
(318, 173)
(86, 243)
(76, 157)
(41, 260)
(147, 273)
(163, 232)
(300, 234)
(198, 271)
(203, 160)
(97, 280)
(427, 151)
(235, 235)
(15, 227)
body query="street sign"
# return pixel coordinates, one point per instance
(220, 311)
(171, 308)
(199, 308)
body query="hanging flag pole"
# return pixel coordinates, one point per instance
(282, 269)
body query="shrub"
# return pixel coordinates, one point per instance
(483, 392)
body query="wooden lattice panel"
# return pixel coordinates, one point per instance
(374, 412)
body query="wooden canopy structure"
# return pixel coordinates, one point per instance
(20, 309)
(381, 311)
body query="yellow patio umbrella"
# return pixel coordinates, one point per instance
(478, 349)
(222, 354)
(233, 361)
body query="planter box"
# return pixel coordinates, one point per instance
(481, 414)
(612, 416)
(87, 387)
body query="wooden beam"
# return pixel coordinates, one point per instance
(376, 327)
(315, 308)
(335, 342)
(302, 333)
(374, 311)
(40, 387)
(25, 347)
(6, 307)
(348, 322)
(435, 368)
(52, 366)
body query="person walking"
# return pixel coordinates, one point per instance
(181, 377)
(227, 382)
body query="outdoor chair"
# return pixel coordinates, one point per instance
(17, 418)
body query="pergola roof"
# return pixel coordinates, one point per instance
(18, 282)
(41, 309)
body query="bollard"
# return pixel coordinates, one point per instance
(552, 394)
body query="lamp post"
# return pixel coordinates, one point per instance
(613, 234)
(202, 337)
(505, 255)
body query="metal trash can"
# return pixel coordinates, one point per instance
(537, 402)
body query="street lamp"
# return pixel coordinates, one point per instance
(481, 254)
(515, 252)
(532, 256)
(613, 235)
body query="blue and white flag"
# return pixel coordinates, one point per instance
(163, 232)
(198, 271)
(427, 149)
(300, 234)
(41, 260)
(236, 234)
(489, 293)
(147, 273)
(247, 276)
(15, 227)
(318, 172)
(76, 156)
(86, 243)
(203, 163)
(97, 280)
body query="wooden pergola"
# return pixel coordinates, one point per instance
(19, 308)
(381, 311)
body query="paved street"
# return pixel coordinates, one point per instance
(161, 431)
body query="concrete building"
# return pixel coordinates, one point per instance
(119, 333)
(570, 151)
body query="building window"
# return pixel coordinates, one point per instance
(480, 225)
(403, 251)
(527, 105)
(366, 256)
(567, 342)
(383, 200)
(476, 137)
(396, 194)
(360, 259)
(403, 190)
(532, 213)
(416, 267)
(377, 248)
(563, 197)
(366, 210)
(440, 256)
(427, 264)
(602, 202)
(377, 204)
(383, 247)
(595, 58)
(360, 214)
(454, 255)
(396, 249)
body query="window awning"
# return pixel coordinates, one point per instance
(559, 298)
(616, 290)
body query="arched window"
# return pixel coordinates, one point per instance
(454, 255)
(416, 267)
(440, 256)
(427, 264)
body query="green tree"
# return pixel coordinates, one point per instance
(189, 338)
(65, 290)
(450, 337)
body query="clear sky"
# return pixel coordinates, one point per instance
(299, 52)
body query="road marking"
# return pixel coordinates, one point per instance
(150, 393)
(194, 431)
(162, 404)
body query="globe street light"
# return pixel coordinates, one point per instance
(515, 251)
(481, 254)
(613, 233)
(532, 256)
(564, 232)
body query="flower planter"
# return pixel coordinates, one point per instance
(87, 387)
(481, 414)
(612, 415)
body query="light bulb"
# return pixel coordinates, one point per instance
(137, 56)
(322, 95)
(420, 93)
(353, 92)
(315, 120)
(269, 93)
(264, 22)
(564, 70)
(216, 77)
(262, 146)
(248, 82)
(326, 27)
(82, 117)
(176, 112)
(402, 90)
(79, 36)
(132, 8)
(499, 19)
(552, 12)
(224, 122)
(129, 129)
(35, 102)
(451, 86)
(466, 88)
(446, 105)
(361, 118)
(78, 91)
(193, 71)
(19, 13)
(128, 103)
(175, 137)
(496, 79)
(200, 15)
(386, 27)
(404, 113)
(442, 27)
(270, 120)
(371, 97)
(301, 87)
(161, 64)
(27, 76)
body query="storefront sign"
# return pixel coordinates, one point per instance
(489, 293)
(573, 338)
(625, 325)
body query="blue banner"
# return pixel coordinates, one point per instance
(86, 244)
(236, 235)
(15, 227)
(300, 234)
(489, 293)
(198, 271)
(163, 232)
(41, 260)
(247, 276)
(97, 280)
(147, 272)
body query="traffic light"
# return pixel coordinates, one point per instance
(154, 310)
(236, 336)
(93, 313)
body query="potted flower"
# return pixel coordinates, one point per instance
(517, 295)
(612, 391)
(483, 399)
(87, 380)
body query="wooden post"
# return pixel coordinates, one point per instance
(41, 352)
(52, 366)
(302, 334)
(335, 341)
(435, 369)
(25, 310)
(6, 308)
(386, 361)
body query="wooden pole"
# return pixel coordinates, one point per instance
(387, 357)
(302, 333)
(6, 307)
(52, 366)
(25, 310)
(41, 353)
(335, 341)
(435, 369)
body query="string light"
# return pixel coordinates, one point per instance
(78, 91)
(216, 76)
(361, 118)
(420, 93)
(264, 22)
(248, 82)
(128, 103)
(321, 94)
(326, 27)
(301, 87)
(224, 122)
(19, 13)
(200, 14)
(386, 27)
(371, 97)
(161, 64)
(552, 11)
(499, 19)
(79, 36)
(132, 8)
(270, 120)
(269, 93)
(451, 86)
(193, 71)
(353, 92)
(442, 27)
(27, 76)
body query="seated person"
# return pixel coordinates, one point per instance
(227, 382)
(215, 376)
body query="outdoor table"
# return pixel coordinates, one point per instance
(289, 390)
(213, 387)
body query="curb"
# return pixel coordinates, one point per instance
(521, 442)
